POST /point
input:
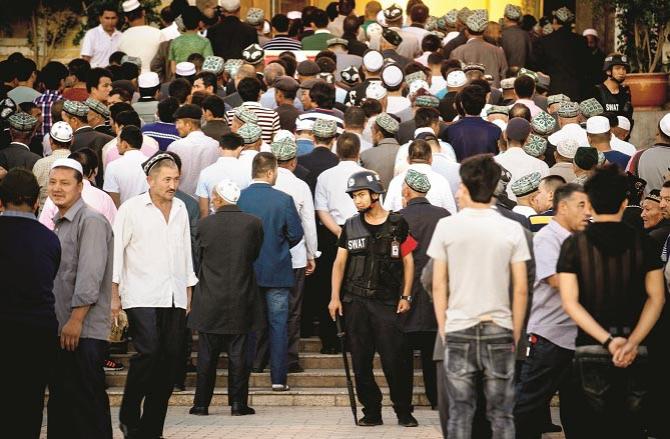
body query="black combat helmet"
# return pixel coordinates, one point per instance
(365, 180)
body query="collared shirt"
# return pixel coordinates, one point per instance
(85, 271)
(110, 152)
(44, 103)
(42, 168)
(99, 45)
(125, 176)
(330, 194)
(570, 131)
(152, 256)
(224, 168)
(322, 113)
(520, 164)
(524, 210)
(268, 119)
(302, 198)
(141, 41)
(18, 214)
(439, 195)
(268, 98)
(197, 151)
(447, 169)
(99, 200)
(401, 163)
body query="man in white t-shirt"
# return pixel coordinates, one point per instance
(478, 322)
(124, 178)
(140, 39)
(103, 40)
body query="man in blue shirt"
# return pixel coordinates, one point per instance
(282, 230)
(599, 135)
(472, 135)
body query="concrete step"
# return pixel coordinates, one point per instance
(308, 360)
(313, 396)
(335, 378)
(312, 344)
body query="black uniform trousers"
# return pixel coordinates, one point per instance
(184, 356)
(26, 379)
(318, 286)
(424, 342)
(373, 326)
(78, 403)
(210, 347)
(157, 335)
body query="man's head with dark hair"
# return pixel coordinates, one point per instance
(290, 65)
(354, 118)
(348, 146)
(123, 95)
(119, 108)
(435, 59)
(99, 84)
(346, 7)
(419, 151)
(431, 43)
(263, 164)
(128, 118)
(197, 97)
(372, 107)
(249, 89)
(191, 16)
(350, 25)
(19, 190)
(323, 94)
(319, 18)
(135, 14)
(166, 109)
(528, 22)
(129, 71)
(331, 11)
(132, 136)
(79, 68)
(607, 189)
(197, 60)
(484, 84)
(8, 71)
(280, 23)
(180, 88)
(327, 54)
(473, 99)
(564, 192)
(480, 175)
(167, 15)
(52, 75)
(524, 87)
(25, 68)
(215, 106)
(419, 13)
(88, 160)
(116, 57)
(448, 65)
(426, 117)
(205, 82)
(519, 110)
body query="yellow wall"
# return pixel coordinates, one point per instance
(440, 7)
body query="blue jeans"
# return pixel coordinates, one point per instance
(484, 351)
(276, 301)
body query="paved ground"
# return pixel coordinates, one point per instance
(291, 423)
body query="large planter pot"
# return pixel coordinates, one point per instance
(648, 90)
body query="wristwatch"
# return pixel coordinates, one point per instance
(407, 298)
(606, 343)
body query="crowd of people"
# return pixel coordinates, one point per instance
(443, 184)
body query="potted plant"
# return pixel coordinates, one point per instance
(644, 26)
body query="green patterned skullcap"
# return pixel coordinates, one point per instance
(535, 145)
(284, 149)
(451, 17)
(213, 64)
(512, 12)
(568, 109)
(564, 14)
(543, 123)
(388, 123)
(336, 41)
(427, 101)
(431, 23)
(525, 71)
(527, 184)
(418, 75)
(325, 128)
(231, 66)
(441, 24)
(474, 66)
(417, 181)
(255, 16)
(497, 109)
(463, 14)
(246, 115)
(557, 99)
(591, 107)
(22, 121)
(97, 106)
(478, 20)
(75, 108)
(507, 83)
(250, 132)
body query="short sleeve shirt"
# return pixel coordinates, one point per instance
(184, 45)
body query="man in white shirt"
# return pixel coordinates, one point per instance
(103, 40)
(476, 315)
(124, 178)
(196, 150)
(152, 280)
(228, 166)
(420, 158)
(139, 39)
(514, 159)
(354, 122)
(304, 254)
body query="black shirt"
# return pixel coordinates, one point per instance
(374, 229)
(619, 104)
(317, 161)
(611, 261)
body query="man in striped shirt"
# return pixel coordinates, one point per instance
(281, 40)
(318, 100)
(250, 90)
(52, 77)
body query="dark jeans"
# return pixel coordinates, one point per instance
(611, 399)
(78, 403)
(370, 325)
(209, 348)
(482, 352)
(294, 313)
(424, 342)
(26, 378)
(546, 370)
(157, 335)
(273, 332)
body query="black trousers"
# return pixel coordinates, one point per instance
(157, 335)
(262, 354)
(373, 326)
(425, 342)
(185, 356)
(209, 348)
(78, 403)
(26, 379)
(318, 289)
(442, 399)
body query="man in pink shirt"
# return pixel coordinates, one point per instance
(94, 197)
(130, 117)
(524, 88)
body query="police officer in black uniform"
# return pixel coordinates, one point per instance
(612, 94)
(373, 270)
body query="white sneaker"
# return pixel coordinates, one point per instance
(280, 387)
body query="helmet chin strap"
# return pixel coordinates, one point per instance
(369, 208)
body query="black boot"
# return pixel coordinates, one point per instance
(407, 420)
(199, 411)
(239, 409)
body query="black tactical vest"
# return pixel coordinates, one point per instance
(619, 104)
(374, 264)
